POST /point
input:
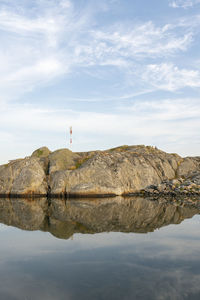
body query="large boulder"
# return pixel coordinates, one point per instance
(187, 166)
(62, 159)
(25, 176)
(41, 152)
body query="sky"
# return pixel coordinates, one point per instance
(120, 72)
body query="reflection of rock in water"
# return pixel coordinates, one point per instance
(64, 218)
(22, 213)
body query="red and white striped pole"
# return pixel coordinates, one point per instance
(70, 131)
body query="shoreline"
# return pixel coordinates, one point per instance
(142, 194)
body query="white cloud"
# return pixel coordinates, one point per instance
(167, 109)
(52, 39)
(183, 3)
(168, 123)
(19, 24)
(122, 46)
(144, 40)
(169, 77)
(43, 69)
(30, 51)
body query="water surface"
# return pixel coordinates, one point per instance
(99, 249)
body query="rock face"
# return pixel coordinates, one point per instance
(117, 171)
(21, 177)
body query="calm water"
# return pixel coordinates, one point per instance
(99, 249)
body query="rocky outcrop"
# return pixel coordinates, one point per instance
(64, 218)
(118, 171)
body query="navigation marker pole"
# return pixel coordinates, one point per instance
(70, 130)
(70, 142)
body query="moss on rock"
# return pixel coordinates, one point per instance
(41, 152)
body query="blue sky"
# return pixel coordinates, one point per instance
(118, 71)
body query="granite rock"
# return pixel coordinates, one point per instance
(118, 171)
